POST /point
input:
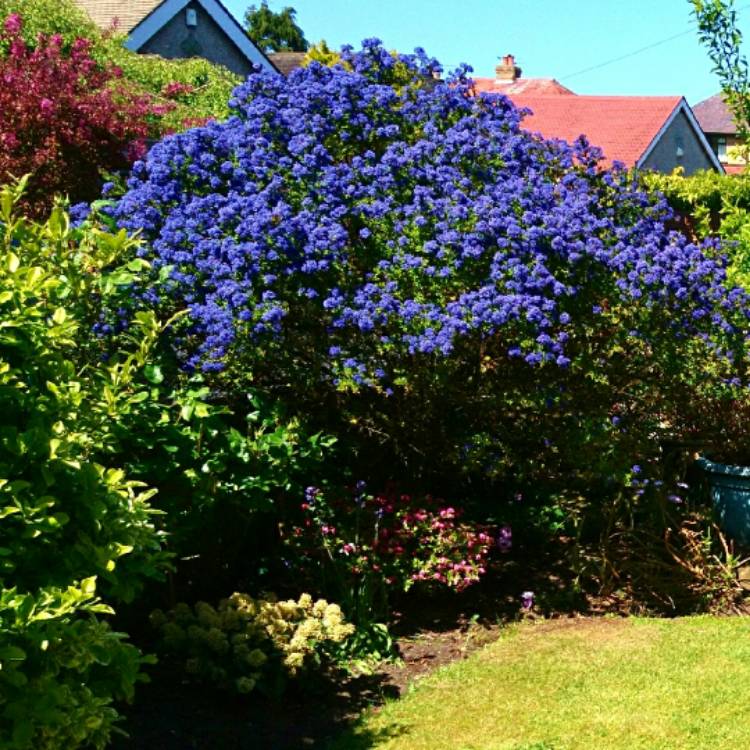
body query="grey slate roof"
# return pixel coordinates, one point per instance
(714, 116)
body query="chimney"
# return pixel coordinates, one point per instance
(507, 71)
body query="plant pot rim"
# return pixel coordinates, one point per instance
(714, 467)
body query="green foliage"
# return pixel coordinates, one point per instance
(198, 89)
(203, 88)
(222, 469)
(71, 526)
(711, 204)
(64, 17)
(274, 32)
(246, 644)
(322, 53)
(719, 33)
(369, 646)
(61, 668)
(84, 420)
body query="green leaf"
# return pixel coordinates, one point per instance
(6, 203)
(11, 653)
(153, 374)
(54, 444)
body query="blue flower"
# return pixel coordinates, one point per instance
(377, 225)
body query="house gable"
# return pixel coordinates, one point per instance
(680, 139)
(181, 28)
(162, 21)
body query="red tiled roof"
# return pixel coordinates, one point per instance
(714, 117)
(622, 126)
(527, 86)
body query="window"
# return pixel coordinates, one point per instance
(721, 148)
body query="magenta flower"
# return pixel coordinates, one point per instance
(13, 23)
(527, 600)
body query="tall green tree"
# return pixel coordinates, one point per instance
(275, 32)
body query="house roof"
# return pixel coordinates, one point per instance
(125, 13)
(141, 19)
(714, 116)
(526, 86)
(624, 127)
(286, 62)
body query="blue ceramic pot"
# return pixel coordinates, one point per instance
(730, 493)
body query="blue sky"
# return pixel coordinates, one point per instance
(550, 38)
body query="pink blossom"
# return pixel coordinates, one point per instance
(13, 23)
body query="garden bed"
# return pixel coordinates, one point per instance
(430, 633)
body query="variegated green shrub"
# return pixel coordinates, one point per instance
(76, 536)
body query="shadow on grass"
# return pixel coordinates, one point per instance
(364, 738)
(171, 715)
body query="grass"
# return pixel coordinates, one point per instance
(607, 683)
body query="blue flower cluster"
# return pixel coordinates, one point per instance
(404, 213)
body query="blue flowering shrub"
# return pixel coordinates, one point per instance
(222, 461)
(471, 309)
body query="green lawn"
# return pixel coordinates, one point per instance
(605, 684)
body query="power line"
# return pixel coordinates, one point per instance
(637, 52)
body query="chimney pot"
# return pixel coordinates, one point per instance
(507, 71)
